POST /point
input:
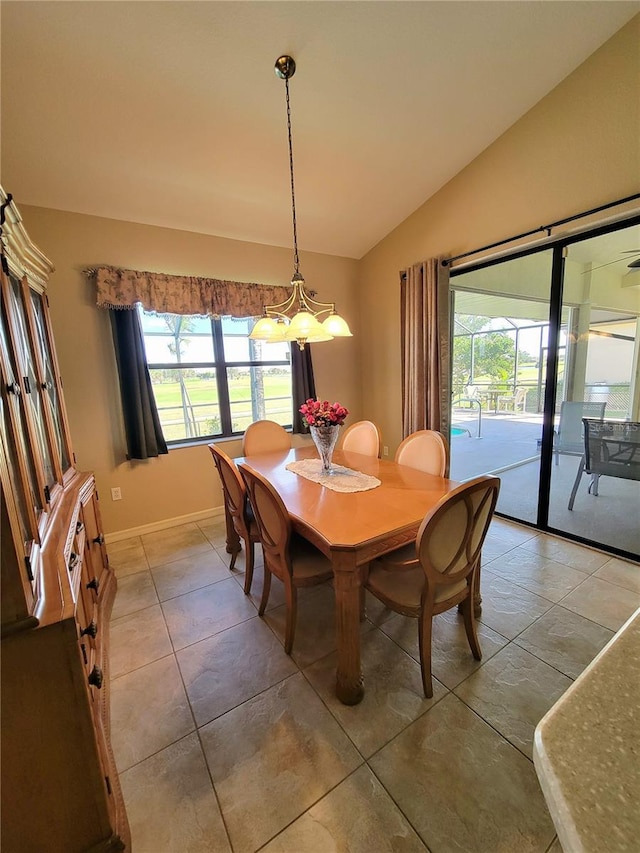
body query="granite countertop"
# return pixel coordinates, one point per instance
(586, 752)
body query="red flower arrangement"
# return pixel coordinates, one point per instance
(322, 413)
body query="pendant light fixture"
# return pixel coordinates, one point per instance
(298, 317)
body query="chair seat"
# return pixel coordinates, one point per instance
(308, 563)
(405, 584)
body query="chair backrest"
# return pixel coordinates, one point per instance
(362, 437)
(265, 437)
(612, 448)
(272, 518)
(520, 396)
(451, 535)
(427, 450)
(233, 488)
(570, 438)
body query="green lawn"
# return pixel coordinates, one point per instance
(202, 399)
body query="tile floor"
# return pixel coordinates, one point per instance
(224, 743)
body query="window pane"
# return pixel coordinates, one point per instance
(187, 402)
(173, 339)
(188, 396)
(256, 393)
(238, 346)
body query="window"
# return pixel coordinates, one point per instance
(209, 379)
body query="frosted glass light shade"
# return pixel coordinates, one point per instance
(335, 326)
(303, 325)
(268, 329)
(317, 337)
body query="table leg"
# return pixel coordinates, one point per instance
(349, 681)
(233, 540)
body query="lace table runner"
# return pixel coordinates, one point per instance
(340, 480)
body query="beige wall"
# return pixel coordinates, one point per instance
(184, 482)
(576, 149)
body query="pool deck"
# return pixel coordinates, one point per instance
(508, 447)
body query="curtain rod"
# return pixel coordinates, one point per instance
(447, 261)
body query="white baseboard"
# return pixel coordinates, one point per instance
(118, 535)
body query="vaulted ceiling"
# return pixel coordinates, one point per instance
(169, 113)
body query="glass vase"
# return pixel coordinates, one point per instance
(325, 437)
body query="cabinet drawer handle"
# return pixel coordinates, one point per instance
(14, 388)
(73, 561)
(99, 540)
(95, 677)
(79, 527)
(91, 630)
(47, 386)
(94, 584)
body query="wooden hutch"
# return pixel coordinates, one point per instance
(60, 788)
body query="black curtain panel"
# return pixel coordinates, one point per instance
(302, 381)
(141, 419)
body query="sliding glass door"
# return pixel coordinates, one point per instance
(501, 325)
(540, 341)
(601, 307)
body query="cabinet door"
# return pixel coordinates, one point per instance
(96, 556)
(20, 468)
(50, 380)
(25, 364)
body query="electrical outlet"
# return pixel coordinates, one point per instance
(116, 493)
(385, 450)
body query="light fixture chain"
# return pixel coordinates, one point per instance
(297, 317)
(296, 260)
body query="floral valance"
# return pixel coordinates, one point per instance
(182, 294)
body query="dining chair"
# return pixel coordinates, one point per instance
(362, 437)
(288, 556)
(238, 512)
(439, 570)
(427, 450)
(265, 437)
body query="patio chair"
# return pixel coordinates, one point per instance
(513, 402)
(569, 437)
(439, 570)
(362, 437)
(238, 513)
(426, 450)
(612, 449)
(288, 556)
(265, 437)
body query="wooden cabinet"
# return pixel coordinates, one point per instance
(60, 788)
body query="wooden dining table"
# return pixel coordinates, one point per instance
(352, 529)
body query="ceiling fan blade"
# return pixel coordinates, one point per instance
(633, 265)
(602, 266)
